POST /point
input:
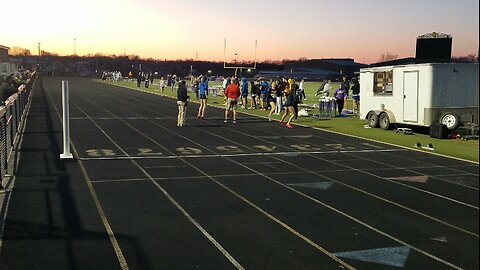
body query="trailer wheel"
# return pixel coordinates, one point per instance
(384, 121)
(451, 120)
(372, 119)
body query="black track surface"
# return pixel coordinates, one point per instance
(251, 195)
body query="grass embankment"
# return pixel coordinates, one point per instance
(353, 125)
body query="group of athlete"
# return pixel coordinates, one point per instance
(272, 95)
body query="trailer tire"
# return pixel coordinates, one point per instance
(451, 120)
(372, 119)
(384, 121)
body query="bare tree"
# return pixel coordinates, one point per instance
(17, 51)
(471, 58)
(387, 57)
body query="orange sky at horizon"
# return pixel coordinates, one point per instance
(184, 29)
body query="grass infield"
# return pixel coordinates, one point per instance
(350, 125)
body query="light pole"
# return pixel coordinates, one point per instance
(74, 46)
(236, 58)
(39, 52)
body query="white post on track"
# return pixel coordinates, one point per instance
(66, 123)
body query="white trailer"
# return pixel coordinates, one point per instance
(420, 94)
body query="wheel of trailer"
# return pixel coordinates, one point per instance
(451, 120)
(372, 119)
(384, 121)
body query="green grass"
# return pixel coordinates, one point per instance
(467, 150)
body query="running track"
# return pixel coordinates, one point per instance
(145, 194)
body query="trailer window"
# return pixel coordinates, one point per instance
(383, 83)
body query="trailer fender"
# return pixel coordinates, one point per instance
(391, 116)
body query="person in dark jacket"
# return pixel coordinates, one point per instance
(341, 96)
(139, 79)
(356, 95)
(244, 92)
(182, 99)
(147, 80)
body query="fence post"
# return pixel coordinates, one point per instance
(66, 123)
(3, 144)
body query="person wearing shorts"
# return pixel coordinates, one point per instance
(203, 94)
(289, 109)
(244, 88)
(272, 100)
(232, 93)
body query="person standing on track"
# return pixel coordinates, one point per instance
(232, 93)
(244, 86)
(289, 100)
(264, 91)
(182, 99)
(281, 84)
(272, 99)
(203, 94)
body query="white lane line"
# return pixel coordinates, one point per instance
(111, 235)
(172, 200)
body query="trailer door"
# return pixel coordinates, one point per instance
(410, 96)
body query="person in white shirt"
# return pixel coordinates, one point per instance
(302, 89)
(162, 85)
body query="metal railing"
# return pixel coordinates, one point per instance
(12, 117)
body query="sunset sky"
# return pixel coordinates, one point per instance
(192, 29)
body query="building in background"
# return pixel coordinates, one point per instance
(6, 68)
(4, 53)
(317, 69)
